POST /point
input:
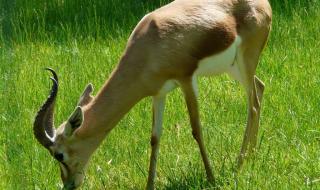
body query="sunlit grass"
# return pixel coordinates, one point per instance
(288, 149)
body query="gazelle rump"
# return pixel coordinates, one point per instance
(169, 48)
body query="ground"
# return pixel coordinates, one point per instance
(83, 42)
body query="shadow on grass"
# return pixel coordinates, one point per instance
(188, 183)
(195, 180)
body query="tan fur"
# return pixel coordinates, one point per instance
(168, 44)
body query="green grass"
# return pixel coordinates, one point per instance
(83, 42)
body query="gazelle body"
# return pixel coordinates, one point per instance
(169, 48)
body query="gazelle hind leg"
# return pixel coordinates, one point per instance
(189, 88)
(246, 63)
(259, 88)
(158, 109)
(254, 92)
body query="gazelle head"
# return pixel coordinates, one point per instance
(70, 150)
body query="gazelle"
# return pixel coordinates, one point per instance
(169, 47)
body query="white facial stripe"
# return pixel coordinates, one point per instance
(64, 170)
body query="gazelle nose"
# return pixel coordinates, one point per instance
(69, 186)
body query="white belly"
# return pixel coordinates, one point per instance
(224, 62)
(219, 63)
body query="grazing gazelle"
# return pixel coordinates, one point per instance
(170, 47)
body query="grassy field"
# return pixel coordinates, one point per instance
(83, 41)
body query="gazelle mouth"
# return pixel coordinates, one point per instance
(69, 186)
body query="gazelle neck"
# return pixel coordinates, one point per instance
(119, 94)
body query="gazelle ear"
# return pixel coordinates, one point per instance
(86, 95)
(74, 121)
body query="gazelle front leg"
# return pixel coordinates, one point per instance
(158, 109)
(189, 87)
(254, 103)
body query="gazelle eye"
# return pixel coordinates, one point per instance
(59, 156)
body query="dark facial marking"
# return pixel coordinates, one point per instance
(58, 156)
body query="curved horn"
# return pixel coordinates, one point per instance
(43, 127)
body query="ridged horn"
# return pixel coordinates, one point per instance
(43, 127)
